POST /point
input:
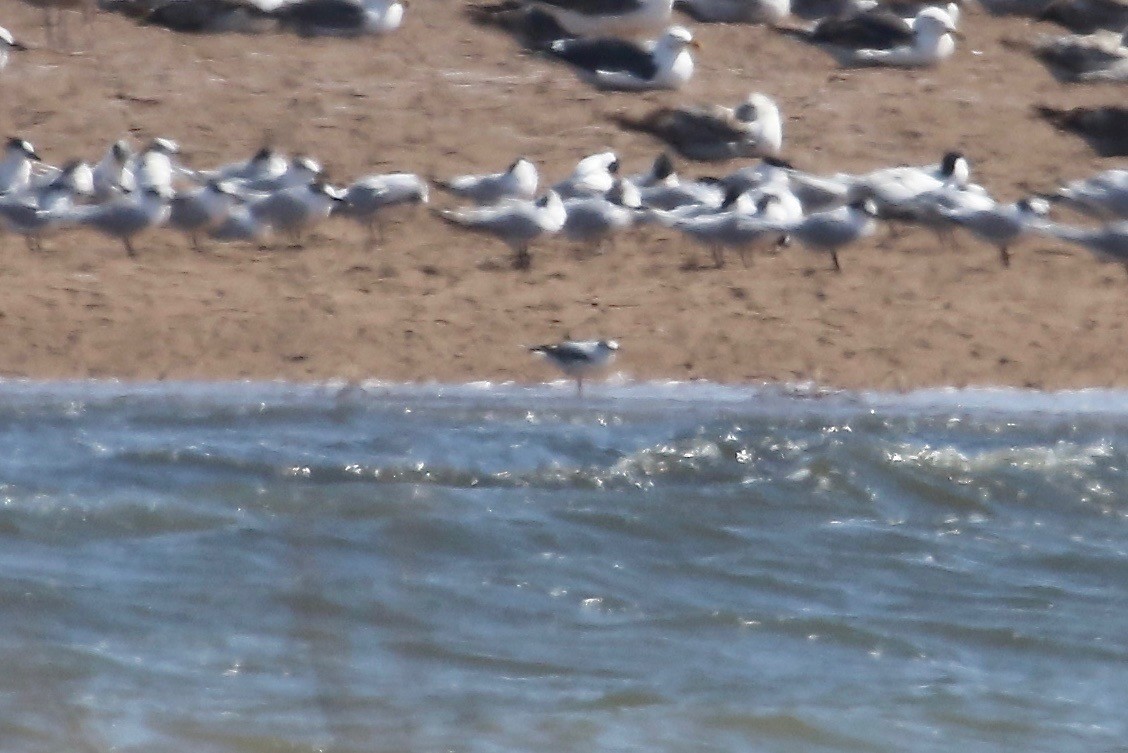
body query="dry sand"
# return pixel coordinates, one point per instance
(440, 97)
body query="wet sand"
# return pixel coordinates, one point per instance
(441, 97)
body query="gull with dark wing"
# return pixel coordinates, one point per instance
(735, 11)
(209, 16)
(621, 65)
(714, 132)
(516, 223)
(879, 37)
(578, 358)
(341, 18)
(608, 18)
(1104, 128)
(1087, 16)
(518, 181)
(1100, 56)
(369, 197)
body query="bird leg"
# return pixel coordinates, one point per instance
(834, 258)
(718, 256)
(523, 260)
(129, 248)
(1004, 256)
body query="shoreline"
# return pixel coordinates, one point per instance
(441, 97)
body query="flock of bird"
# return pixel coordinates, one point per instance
(626, 45)
(760, 206)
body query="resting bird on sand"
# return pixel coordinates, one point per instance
(626, 66)
(1105, 128)
(518, 181)
(517, 223)
(634, 19)
(735, 11)
(578, 358)
(1100, 56)
(879, 37)
(341, 18)
(714, 132)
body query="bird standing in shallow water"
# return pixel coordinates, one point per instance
(578, 358)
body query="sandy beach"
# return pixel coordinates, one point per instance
(440, 97)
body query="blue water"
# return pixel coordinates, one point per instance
(688, 567)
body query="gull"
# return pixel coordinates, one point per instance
(299, 171)
(1104, 128)
(292, 210)
(518, 181)
(593, 219)
(607, 18)
(578, 358)
(35, 212)
(201, 209)
(15, 168)
(1100, 56)
(895, 190)
(1108, 243)
(517, 223)
(341, 18)
(7, 45)
(738, 225)
(673, 192)
(735, 11)
(1087, 16)
(621, 65)
(753, 128)
(264, 165)
(829, 231)
(126, 217)
(204, 16)
(153, 167)
(240, 225)
(368, 197)
(1104, 196)
(593, 175)
(1002, 225)
(110, 176)
(932, 42)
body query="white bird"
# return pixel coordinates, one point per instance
(741, 225)
(110, 176)
(593, 175)
(593, 219)
(932, 42)
(295, 209)
(154, 167)
(199, 210)
(517, 223)
(299, 171)
(753, 128)
(36, 211)
(735, 11)
(1108, 243)
(829, 231)
(518, 181)
(608, 18)
(264, 165)
(895, 190)
(341, 18)
(1104, 196)
(8, 44)
(617, 64)
(578, 358)
(367, 198)
(1002, 225)
(15, 168)
(126, 217)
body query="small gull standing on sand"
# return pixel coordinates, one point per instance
(1002, 225)
(517, 223)
(829, 231)
(753, 128)
(594, 219)
(154, 167)
(110, 172)
(15, 168)
(38, 210)
(578, 358)
(341, 18)
(201, 209)
(621, 65)
(518, 181)
(126, 217)
(295, 209)
(367, 198)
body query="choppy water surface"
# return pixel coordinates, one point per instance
(662, 568)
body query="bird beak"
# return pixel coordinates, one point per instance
(956, 33)
(18, 46)
(695, 44)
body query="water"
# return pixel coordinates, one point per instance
(268, 567)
